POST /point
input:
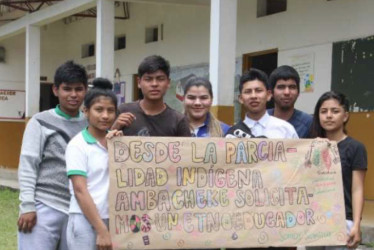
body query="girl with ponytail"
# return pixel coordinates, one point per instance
(88, 172)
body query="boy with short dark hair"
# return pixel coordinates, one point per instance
(44, 190)
(254, 94)
(151, 116)
(285, 87)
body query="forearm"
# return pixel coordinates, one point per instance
(89, 209)
(357, 205)
(30, 158)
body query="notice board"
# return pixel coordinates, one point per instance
(353, 72)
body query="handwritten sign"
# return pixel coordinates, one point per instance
(170, 193)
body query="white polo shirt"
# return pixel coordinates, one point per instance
(86, 157)
(271, 127)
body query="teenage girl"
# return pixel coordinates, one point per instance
(198, 98)
(330, 117)
(87, 169)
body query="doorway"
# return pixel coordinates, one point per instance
(47, 99)
(266, 61)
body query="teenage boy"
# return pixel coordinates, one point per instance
(254, 94)
(151, 116)
(285, 86)
(44, 190)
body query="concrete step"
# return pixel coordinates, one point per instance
(9, 178)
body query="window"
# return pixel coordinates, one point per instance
(151, 34)
(120, 43)
(88, 50)
(269, 7)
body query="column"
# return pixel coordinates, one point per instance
(105, 39)
(32, 70)
(223, 18)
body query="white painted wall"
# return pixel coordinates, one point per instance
(308, 25)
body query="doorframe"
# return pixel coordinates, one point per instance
(247, 64)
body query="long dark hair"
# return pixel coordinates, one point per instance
(214, 126)
(317, 130)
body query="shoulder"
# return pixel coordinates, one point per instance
(283, 126)
(351, 142)
(303, 117)
(77, 141)
(225, 128)
(174, 113)
(270, 111)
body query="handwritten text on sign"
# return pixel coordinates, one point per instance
(207, 193)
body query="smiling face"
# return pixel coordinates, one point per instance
(332, 116)
(101, 114)
(154, 85)
(197, 102)
(254, 97)
(285, 94)
(70, 97)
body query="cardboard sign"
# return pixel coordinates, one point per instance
(170, 193)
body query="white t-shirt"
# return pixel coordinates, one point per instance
(271, 127)
(86, 157)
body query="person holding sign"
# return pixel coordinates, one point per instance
(254, 94)
(198, 98)
(44, 192)
(87, 169)
(330, 118)
(151, 116)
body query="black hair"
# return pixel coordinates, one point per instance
(151, 64)
(101, 87)
(70, 72)
(284, 72)
(317, 130)
(251, 75)
(198, 81)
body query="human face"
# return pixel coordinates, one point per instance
(332, 116)
(254, 97)
(70, 97)
(197, 102)
(154, 85)
(285, 94)
(101, 114)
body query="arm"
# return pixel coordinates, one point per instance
(103, 239)
(183, 128)
(30, 158)
(354, 236)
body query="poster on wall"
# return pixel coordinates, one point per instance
(179, 193)
(304, 65)
(12, 105)
(119, 89)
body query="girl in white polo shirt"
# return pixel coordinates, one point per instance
(87, 169)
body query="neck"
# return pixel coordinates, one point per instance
(98, 134)
(284, 114)
(336, 135)
(152, 107)
(197, 122)
(256, 116)
(71, 113)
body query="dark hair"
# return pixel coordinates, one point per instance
(198, 81)
(251, 75)
(101, 87)
(151, 64)
(70, 72)
(317, 130)
(284, 72)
